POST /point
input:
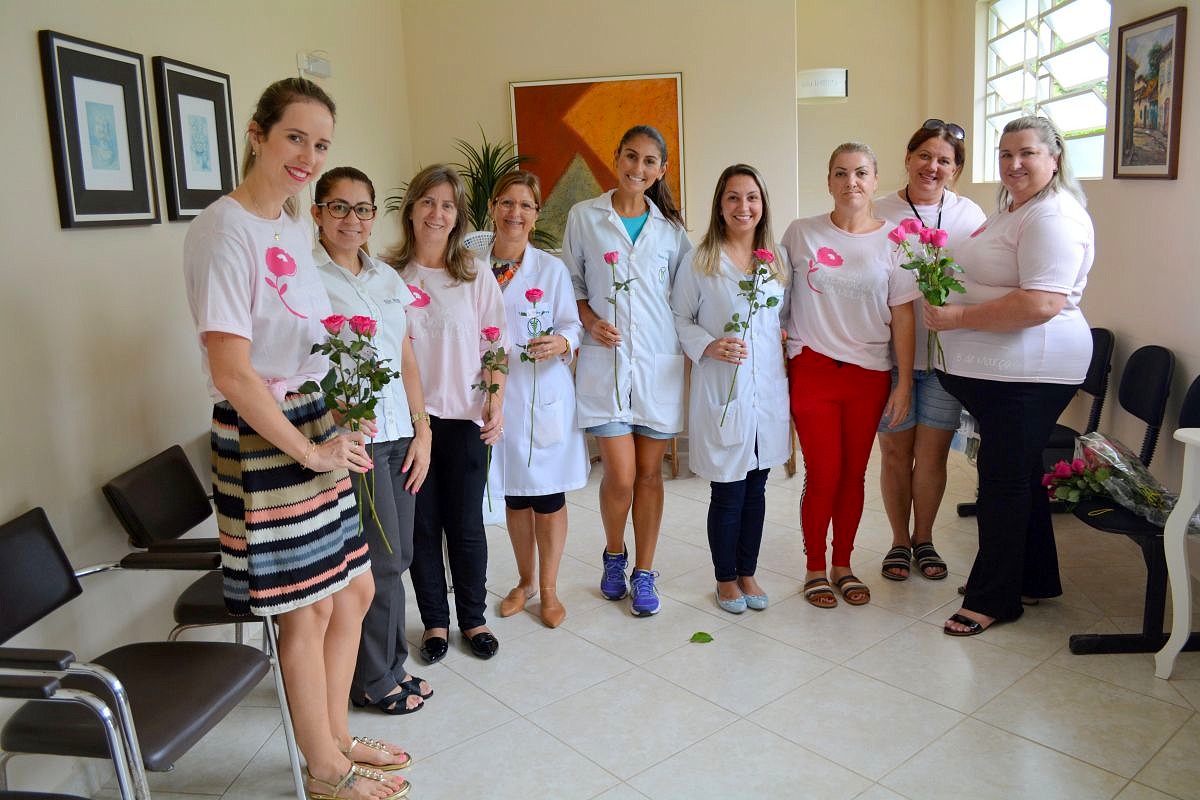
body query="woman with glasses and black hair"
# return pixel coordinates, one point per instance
(1017, 347)
(912, 475)
(359, 285)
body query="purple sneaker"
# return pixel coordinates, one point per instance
(612, 584)
(645, 596)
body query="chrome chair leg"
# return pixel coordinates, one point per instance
(271, 643)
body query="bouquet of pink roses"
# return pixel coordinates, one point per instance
(352, 385)
(933, 267)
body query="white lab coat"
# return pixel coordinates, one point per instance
(758, 413)
(560, 460)
(649, 361)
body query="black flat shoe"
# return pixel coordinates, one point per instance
(484, 645)
(433, 649)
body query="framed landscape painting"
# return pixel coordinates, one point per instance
(195, 126)
(570, 130)
(99, 132)
(1149, 95)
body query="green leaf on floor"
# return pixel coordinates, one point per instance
(701, 637)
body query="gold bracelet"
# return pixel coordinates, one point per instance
(308, 451)
(417, 417)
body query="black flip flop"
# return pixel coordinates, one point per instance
(396, 703)
(413, 684)
(973, 628)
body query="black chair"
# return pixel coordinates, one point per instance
(157, 503)
(165, 695)
(47, 688)
(1109, 517)
(1061, 446)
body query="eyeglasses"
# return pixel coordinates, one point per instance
(340, 209)
(509, 205)
(953, 128)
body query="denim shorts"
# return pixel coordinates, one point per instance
(932, 406)
(618, 428)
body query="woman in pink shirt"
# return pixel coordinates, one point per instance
(849, 299)
(447, 322)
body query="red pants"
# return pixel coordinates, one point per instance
(836, 408)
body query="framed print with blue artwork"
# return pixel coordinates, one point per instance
(195, 128)
(99, 132)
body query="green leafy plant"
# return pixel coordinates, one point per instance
(481, 168)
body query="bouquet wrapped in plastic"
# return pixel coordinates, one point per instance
(1127, 480)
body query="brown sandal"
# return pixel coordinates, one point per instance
(818, 593)
(850, 586)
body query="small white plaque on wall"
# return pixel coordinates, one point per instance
(829, 85)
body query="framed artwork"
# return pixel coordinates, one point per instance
(1149, 92)
(195, 128)
(570, 130)
(99, 132)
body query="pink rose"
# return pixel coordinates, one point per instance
(611, 257)
(492, 334)
(1048, 479)
(363, 326)
(764, 255)
(280, 262)
(897, 235)
(939, 237)
(911, 225)
(1062, 470)
(829, 257)
(422, 298)
(535, 294)
(334, 324)
(1078, 466)
(925, 235)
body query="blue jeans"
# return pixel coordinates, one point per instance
(735, 524)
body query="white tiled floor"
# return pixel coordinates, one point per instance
(793, 702)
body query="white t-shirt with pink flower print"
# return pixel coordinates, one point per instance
(843, 288)
(255, 278)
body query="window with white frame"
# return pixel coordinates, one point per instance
(1047, 57)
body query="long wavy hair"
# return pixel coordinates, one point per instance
(460, 264)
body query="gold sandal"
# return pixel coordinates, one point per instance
(381, 747)
(354, 773)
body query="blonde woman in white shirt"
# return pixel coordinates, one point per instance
(359, 285)
(1017, 347)
(912, 474)
(738, 410)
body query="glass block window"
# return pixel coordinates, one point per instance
(1047, 57)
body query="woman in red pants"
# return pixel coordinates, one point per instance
(849, 299)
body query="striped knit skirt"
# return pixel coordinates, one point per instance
(289, 536)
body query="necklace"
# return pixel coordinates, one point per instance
(255, 208)
(918, 214)
(504, 269)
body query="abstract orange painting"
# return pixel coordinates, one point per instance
(570, 130)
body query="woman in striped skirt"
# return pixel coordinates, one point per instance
(290, 545)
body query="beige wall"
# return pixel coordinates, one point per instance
(101, 369)
(737, 59)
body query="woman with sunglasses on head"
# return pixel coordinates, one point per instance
(290, 545)
(737, 423)
(912, 475)
(622, 250)
(850, 320)
(544, 454)
(359, 285)
(456, 302)
(1017, 347)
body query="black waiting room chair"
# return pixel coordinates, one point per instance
(1144, 389)
(165, 695)
(158, 502)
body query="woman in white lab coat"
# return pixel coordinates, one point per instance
(542, 454)
(622, 250)
(738, 409)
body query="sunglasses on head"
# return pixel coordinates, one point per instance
(953, 128)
